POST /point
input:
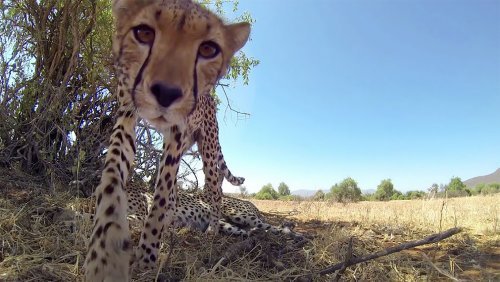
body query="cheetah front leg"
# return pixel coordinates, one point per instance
(109, 250)
(213, 181)
(162, 210)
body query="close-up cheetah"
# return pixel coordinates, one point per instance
(347, 117)
(169, 55)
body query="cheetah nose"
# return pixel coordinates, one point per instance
(165, 94)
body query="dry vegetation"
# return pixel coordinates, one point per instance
(36, 244)
(479, 214)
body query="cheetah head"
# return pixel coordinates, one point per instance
(170, 52)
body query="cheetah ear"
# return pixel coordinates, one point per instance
(237, 35)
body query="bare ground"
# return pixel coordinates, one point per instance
(36, 245)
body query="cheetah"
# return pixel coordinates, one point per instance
(169, 55)
(193, 210)
(239, 217)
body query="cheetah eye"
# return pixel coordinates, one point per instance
(144, 34)
(208, 50)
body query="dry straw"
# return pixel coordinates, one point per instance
(41, 239)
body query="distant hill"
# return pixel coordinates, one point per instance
(304, 192)
(486, 179)
(368, 191)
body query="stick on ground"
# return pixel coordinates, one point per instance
(408, 245)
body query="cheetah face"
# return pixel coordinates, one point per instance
(170, 52)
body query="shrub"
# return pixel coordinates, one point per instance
(346, 191)
(267, 192)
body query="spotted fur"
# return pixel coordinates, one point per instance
(239, 217)
(169, 54)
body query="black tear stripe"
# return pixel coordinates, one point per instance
(218, 75)
(138, 78)
(120, 52)
(195, 85)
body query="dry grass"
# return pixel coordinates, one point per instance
(479, 214)
(36, 245)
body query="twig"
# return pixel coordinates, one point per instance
(236, 250)
(192, 171)
(229, 104)
(347, 260)
(442, 271)
(408, 245)
(296, 246)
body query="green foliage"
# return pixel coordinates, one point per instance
(385, 190)
(346, 191)
(264, 196)
(367, 197)
(397, 196)
(478, 189)
(289, 198)
(456, 184)
(411, 195)
(491, 189)
(486, 189)
(456, 188)
(319, 196)
(283, 189)
(267, 192)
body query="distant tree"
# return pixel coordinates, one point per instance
(456, 188)
(385, 190)
(456, 184)
(442, 187)
(491, 188)
(319, 196)
(346, 191)
(478, 189)
(368, 197)
(433, 190)
(411, 195)
(243, 191)
(283, 189)
(267, 192)
(396, 195)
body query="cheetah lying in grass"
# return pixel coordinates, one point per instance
(239, 217)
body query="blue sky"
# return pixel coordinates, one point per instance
(406, 90)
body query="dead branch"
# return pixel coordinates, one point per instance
(408, 245)
(238, 113)
(192, 171)
(236, 250)
(297, 245)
